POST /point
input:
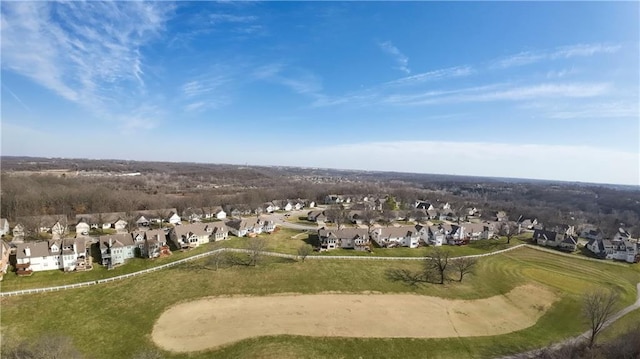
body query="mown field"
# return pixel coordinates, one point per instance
(115, 320)
(283, 241)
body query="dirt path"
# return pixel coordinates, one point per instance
(212, 322)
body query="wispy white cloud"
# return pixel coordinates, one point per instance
(300, 81)
(457, 71)
(86, 52)
(401, 60)
(16, 97)
(606, 110)
(563, 52)
(222, 18)
(500, 92)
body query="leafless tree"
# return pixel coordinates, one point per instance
(598, 307)
(304, 250)
(256, 247)
(45, 347)
(337, 214)
(464, 266)
(369, 217)
(388, 217)
(437, 261)
(218, 258)
(507, 229)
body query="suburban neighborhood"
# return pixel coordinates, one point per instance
(360, 223)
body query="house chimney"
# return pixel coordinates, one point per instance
(27, 252)
(110, 242)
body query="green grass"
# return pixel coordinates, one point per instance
(114, 320)
(631, 321)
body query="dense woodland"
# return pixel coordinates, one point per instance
(36, 186)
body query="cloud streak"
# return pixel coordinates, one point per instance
(402, 61)
(88, 53)
(563, 52)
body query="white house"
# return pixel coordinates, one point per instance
(404, 236)
(250, 226)
(218, 231)
(68, 254)
(346, 238)
(622, 250)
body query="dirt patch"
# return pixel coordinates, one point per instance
(216, 321)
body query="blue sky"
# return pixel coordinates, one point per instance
(546, 90)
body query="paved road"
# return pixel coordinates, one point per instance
(279, 219)
(582, 337)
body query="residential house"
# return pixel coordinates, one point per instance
(4, 226)
(287, 206)
(194, 214)
(553, 239)
(190, 235)
(68, 254)
(250, 227)
(56, 225)
(621, 235)
(82, 227)
(316, 216)
(115, 249)
(105, 221)
(592, 234)
(476, 231)
(219, 231)
(423, 205)
(4, 258)
(159, 216)
(310, 203)
(623, 250)
(527, 224)
(501, 216)
(346, 238)
(218, 213)
(403, 236)
(151, 243)
(269, 207)
(18, 231)
(336, 199)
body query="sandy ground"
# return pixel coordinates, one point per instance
(216, 321)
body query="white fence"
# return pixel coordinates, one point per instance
(236, 250)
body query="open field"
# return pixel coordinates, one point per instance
(283, 241)
(116, 320)
(212, 322)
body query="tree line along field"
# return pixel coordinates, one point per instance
(115, 320)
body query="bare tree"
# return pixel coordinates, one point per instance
(304, 250)
(256, 247)
(507, 229)
(218, 258)
(369, 217)
(437, 261)
(388, 217)
(463, 266)
(337, 214)
(45, 347)
(597, 308)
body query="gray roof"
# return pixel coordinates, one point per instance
(38, 249)
(117, 240)
(109, 217)
(344, 233)
(396, 232)
(198, 229)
